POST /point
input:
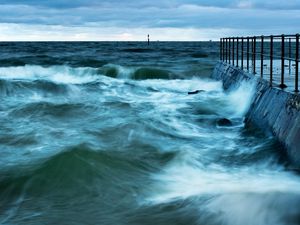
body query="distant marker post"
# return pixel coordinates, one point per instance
(148, 39)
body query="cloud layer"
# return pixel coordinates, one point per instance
(91, 20)
(263, 4)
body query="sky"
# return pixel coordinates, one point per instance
(132, 20)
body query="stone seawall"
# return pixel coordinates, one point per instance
(272, 110)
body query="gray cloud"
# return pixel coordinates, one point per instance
(239, 15)
(180, 16)
(60, 4)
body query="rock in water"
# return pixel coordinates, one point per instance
(224, 122)
(195, 92)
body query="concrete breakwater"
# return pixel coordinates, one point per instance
(273, 110)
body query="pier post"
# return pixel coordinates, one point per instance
(271, 60)
(226, 50)
(237, 52)
(248, 54)
(290, 55)
(233, 52)
(262, 57)
(242, 54)
(223, 45)
(297, 64)
(282, 85)
(254, 55)
(229, 48)
(221, 48)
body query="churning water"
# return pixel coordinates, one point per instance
(106, 133)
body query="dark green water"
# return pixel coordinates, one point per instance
(105, 133)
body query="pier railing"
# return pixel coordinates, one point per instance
(275, 57)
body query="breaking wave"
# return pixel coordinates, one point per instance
(67, 74)
(122, 133)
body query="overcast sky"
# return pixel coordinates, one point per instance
(188, 20)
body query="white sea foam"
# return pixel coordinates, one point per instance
(239, 196)
(58, 74)
(183, 86)
(273, 208)
(181, 180)
(241, 98)
(252, 194)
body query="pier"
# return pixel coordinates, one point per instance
(274, 58)
(271, 63)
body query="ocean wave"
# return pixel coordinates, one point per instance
(122, 133)
(58, 74)
(58, 110)
(23, 87)
(137, 73)
(81, 165)
(79, 75)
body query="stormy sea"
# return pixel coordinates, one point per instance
(108, 133)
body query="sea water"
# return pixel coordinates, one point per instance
(106, 133)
